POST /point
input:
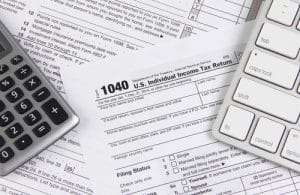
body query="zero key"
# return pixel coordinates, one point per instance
(55, 111)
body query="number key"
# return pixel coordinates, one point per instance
(14, 130)
(6, 118)
(6, 154)
(6, 83)
(23, 106)
(32, 118)
(15, 95)
(23, 72)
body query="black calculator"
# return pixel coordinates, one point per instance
(32, 113)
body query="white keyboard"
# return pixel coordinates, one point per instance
(261, 110)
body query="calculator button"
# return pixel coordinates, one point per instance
(2, 106)
(41, 94)
(55, 112)
(6, 154)
(23, 142)
(32, 118)
(6, 83)
(2, 141)
(42, 129)
(3, 68)
(15, 95)
(32, 83)
(23, 106)
(23, 72)
(16, 60)
(14, 130)
(6, 118)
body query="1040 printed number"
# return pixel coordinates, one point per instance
(112, 88)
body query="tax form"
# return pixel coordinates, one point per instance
(74, 32)
(147, 122)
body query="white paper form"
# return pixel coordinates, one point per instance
(147, 125)
(68, 32)
(59, 32)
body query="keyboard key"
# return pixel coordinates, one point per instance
(6, 118)
(41, 94)
(23, 142)
(279, 40)
(16, 60)
(2, 106)
(267, 134)
(268, 100)
(15, 95)
(6, 154)
(291, 147)
(42, 129)
(237, 129)
(23, 72)
(23, 106)
(272, 69)
(55, 112)
(3, 68)
(14, 130)
(283, 11)
(32, 83)
(6, 83)
(2, 141)
(32, 118)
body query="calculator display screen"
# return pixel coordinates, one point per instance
(1, 48)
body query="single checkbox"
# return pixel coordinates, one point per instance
(186, 189)
(174, 164)
(172, 157)
(176, 170)
(184, 182)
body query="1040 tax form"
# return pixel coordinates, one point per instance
(146, 122)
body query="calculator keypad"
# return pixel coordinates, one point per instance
(28, 110)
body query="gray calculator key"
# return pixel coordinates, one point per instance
(15, 95)
(32, 83)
